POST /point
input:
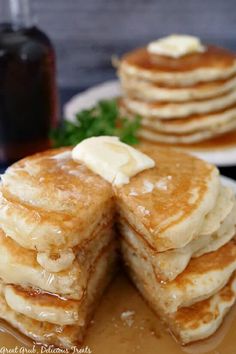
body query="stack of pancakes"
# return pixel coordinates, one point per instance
(57, 247)
(58, 250)
(181, 100)
(177, 227)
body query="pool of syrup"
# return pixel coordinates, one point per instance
(110, 332)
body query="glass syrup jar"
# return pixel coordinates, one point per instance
(28, 94)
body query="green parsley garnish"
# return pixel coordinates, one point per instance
(103, 119)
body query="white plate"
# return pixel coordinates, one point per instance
(111, 89)
(228, 182)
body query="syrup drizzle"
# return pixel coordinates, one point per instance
(146, 334)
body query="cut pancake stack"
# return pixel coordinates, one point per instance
(57, 247)
(181, 100)
(177, 227)
(58, 251)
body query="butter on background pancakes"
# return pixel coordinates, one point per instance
(184, 99)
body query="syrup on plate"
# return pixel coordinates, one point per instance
(124, 324)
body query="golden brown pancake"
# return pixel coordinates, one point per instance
(188, 125)
(49, 193)
(203, 318)
(21, 266)
(183, 191)
(199, 321)
(169, 264)
(203, 277)
(155, 136)
(216, 57)
(28, 225)
(179, 110)
(64, 336)
(152, 91)
(51, 180)
(44, 306)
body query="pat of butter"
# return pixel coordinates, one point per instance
(176, 46)
(111, 159)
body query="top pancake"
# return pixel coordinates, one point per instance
(184, 190)
(51, 180)
(48, 201)
(213, 64)
(168, 203)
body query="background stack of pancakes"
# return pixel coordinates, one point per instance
(57, 247)
(177, 226)
(182, 100)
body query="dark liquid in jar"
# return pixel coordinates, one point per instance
(28, 100)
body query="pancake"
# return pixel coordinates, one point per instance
(28, 226)
(202, 319)
(150, 91)
(168, 110)
(199, 321)
(51, 180)
(183, 189)
(20, 266)
(64, 336)
(171, 138)
(193, 123)
(169, 264)
(48, 193)
(42, 306)
(213, 64)
(203, 277)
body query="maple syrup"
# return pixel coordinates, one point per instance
(28, 98)
(110, 333)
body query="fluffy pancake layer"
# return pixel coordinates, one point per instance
(203, 277)
(151, 91)
(191, 124)
(169, 264)
(205, 134)
(202, 319)
(28, 226)
(49, 194)
(171, 110)
(20, 266)
(51, 320)
(168, 204)
(199, 321)
(52, 308)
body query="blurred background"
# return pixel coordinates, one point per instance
(87, 33)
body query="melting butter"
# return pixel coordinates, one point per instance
(111, 159)
(176, 46)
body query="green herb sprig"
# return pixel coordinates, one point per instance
(103, 119)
